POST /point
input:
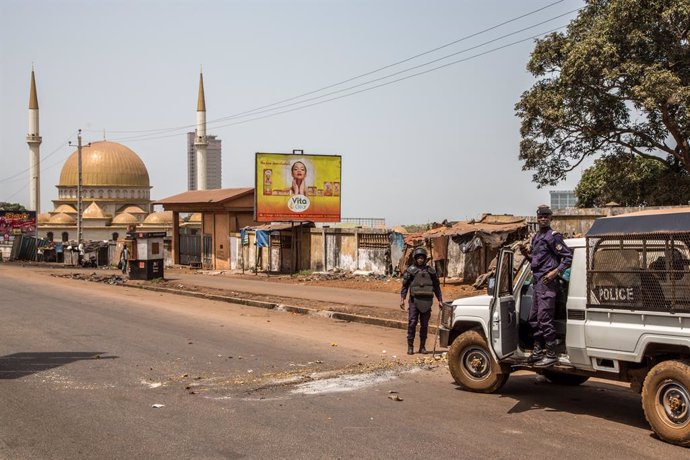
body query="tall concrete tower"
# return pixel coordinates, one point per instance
(33, 138)
(200, 141)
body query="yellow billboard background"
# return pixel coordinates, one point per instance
(297, 188)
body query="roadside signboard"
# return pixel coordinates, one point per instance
(297, 188)
(16, 223)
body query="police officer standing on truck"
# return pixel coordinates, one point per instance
(549, 257)
(422, 282)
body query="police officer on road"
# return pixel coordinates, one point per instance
(422, 282)
(549, 258)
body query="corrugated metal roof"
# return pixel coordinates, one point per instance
(463, 228)
(206, 196)
(466, 228)
(281, 226)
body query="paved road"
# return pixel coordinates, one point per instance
(387, 300)
(81, 366)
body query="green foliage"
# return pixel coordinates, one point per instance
(4, 206)
(617, 81)
(631, 180)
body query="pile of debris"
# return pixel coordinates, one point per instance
(331, 275)
(342, 275)
(93, 277)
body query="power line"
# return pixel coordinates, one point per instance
(413, 67)
(400, 79)
(256, 112)
(251, 111)
(488, 29)
(373, 87)
(62, 144)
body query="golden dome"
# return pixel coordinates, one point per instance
(62, 218)
(159, 218)
(132, 209)
(44, 217)
(125, 218)
(67, 209)
(105, 164)
(93, 212)
(195, 218)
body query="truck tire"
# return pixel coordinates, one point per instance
(472, 365)
(560, 378)
(666, 401)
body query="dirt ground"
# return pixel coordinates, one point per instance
(452, 289)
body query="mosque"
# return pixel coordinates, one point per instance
(115, 196)
(116, 192)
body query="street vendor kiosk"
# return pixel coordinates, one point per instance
(146, 258)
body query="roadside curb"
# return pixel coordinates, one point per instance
(383, 322)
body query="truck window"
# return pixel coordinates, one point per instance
(650, 273)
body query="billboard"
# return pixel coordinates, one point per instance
(15, 223)
(297, 188)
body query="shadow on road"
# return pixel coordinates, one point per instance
(18, 365)
(596, 399)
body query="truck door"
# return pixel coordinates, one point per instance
(504, 320)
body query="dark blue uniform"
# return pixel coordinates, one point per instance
(549, 252)
(415, 314)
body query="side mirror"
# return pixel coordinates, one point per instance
(491, 286)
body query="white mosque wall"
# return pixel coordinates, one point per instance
(104, 233)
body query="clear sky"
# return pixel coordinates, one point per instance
(442, 145)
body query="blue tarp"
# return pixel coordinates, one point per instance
(398, 240)
(262, 238)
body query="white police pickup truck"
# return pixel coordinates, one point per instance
(624, 315)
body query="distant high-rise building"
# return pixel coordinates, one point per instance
(561, 199)
(213, 162)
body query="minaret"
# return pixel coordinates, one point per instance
(34, 140)
(200, 141)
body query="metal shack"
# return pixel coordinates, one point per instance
(146, 260)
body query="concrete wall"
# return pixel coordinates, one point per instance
(342, 252)
(577, 221)
(313, 252)
(465, 265)
(221, 251)
(374, 260)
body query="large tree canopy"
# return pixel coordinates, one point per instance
(617, 81)
(5, 206)
(632, 180)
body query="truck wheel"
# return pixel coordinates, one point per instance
(559, 378)
(666, 401)
(472, 365)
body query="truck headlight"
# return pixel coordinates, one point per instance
(447, 315)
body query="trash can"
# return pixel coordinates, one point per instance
(146, 259)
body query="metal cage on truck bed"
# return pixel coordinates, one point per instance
(640, 262)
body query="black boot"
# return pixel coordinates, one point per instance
(537, 352)
(410, 347)
(550, 357)
(422, 349)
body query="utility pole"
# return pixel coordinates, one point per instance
(79, 199)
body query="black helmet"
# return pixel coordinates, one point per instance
(544, 210)
(419, 252)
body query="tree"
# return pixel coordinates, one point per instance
(4, 206)
(617, 81)
(632, 180)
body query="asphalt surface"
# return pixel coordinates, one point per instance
(386, 300)
(366, 306)
(82, 365)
